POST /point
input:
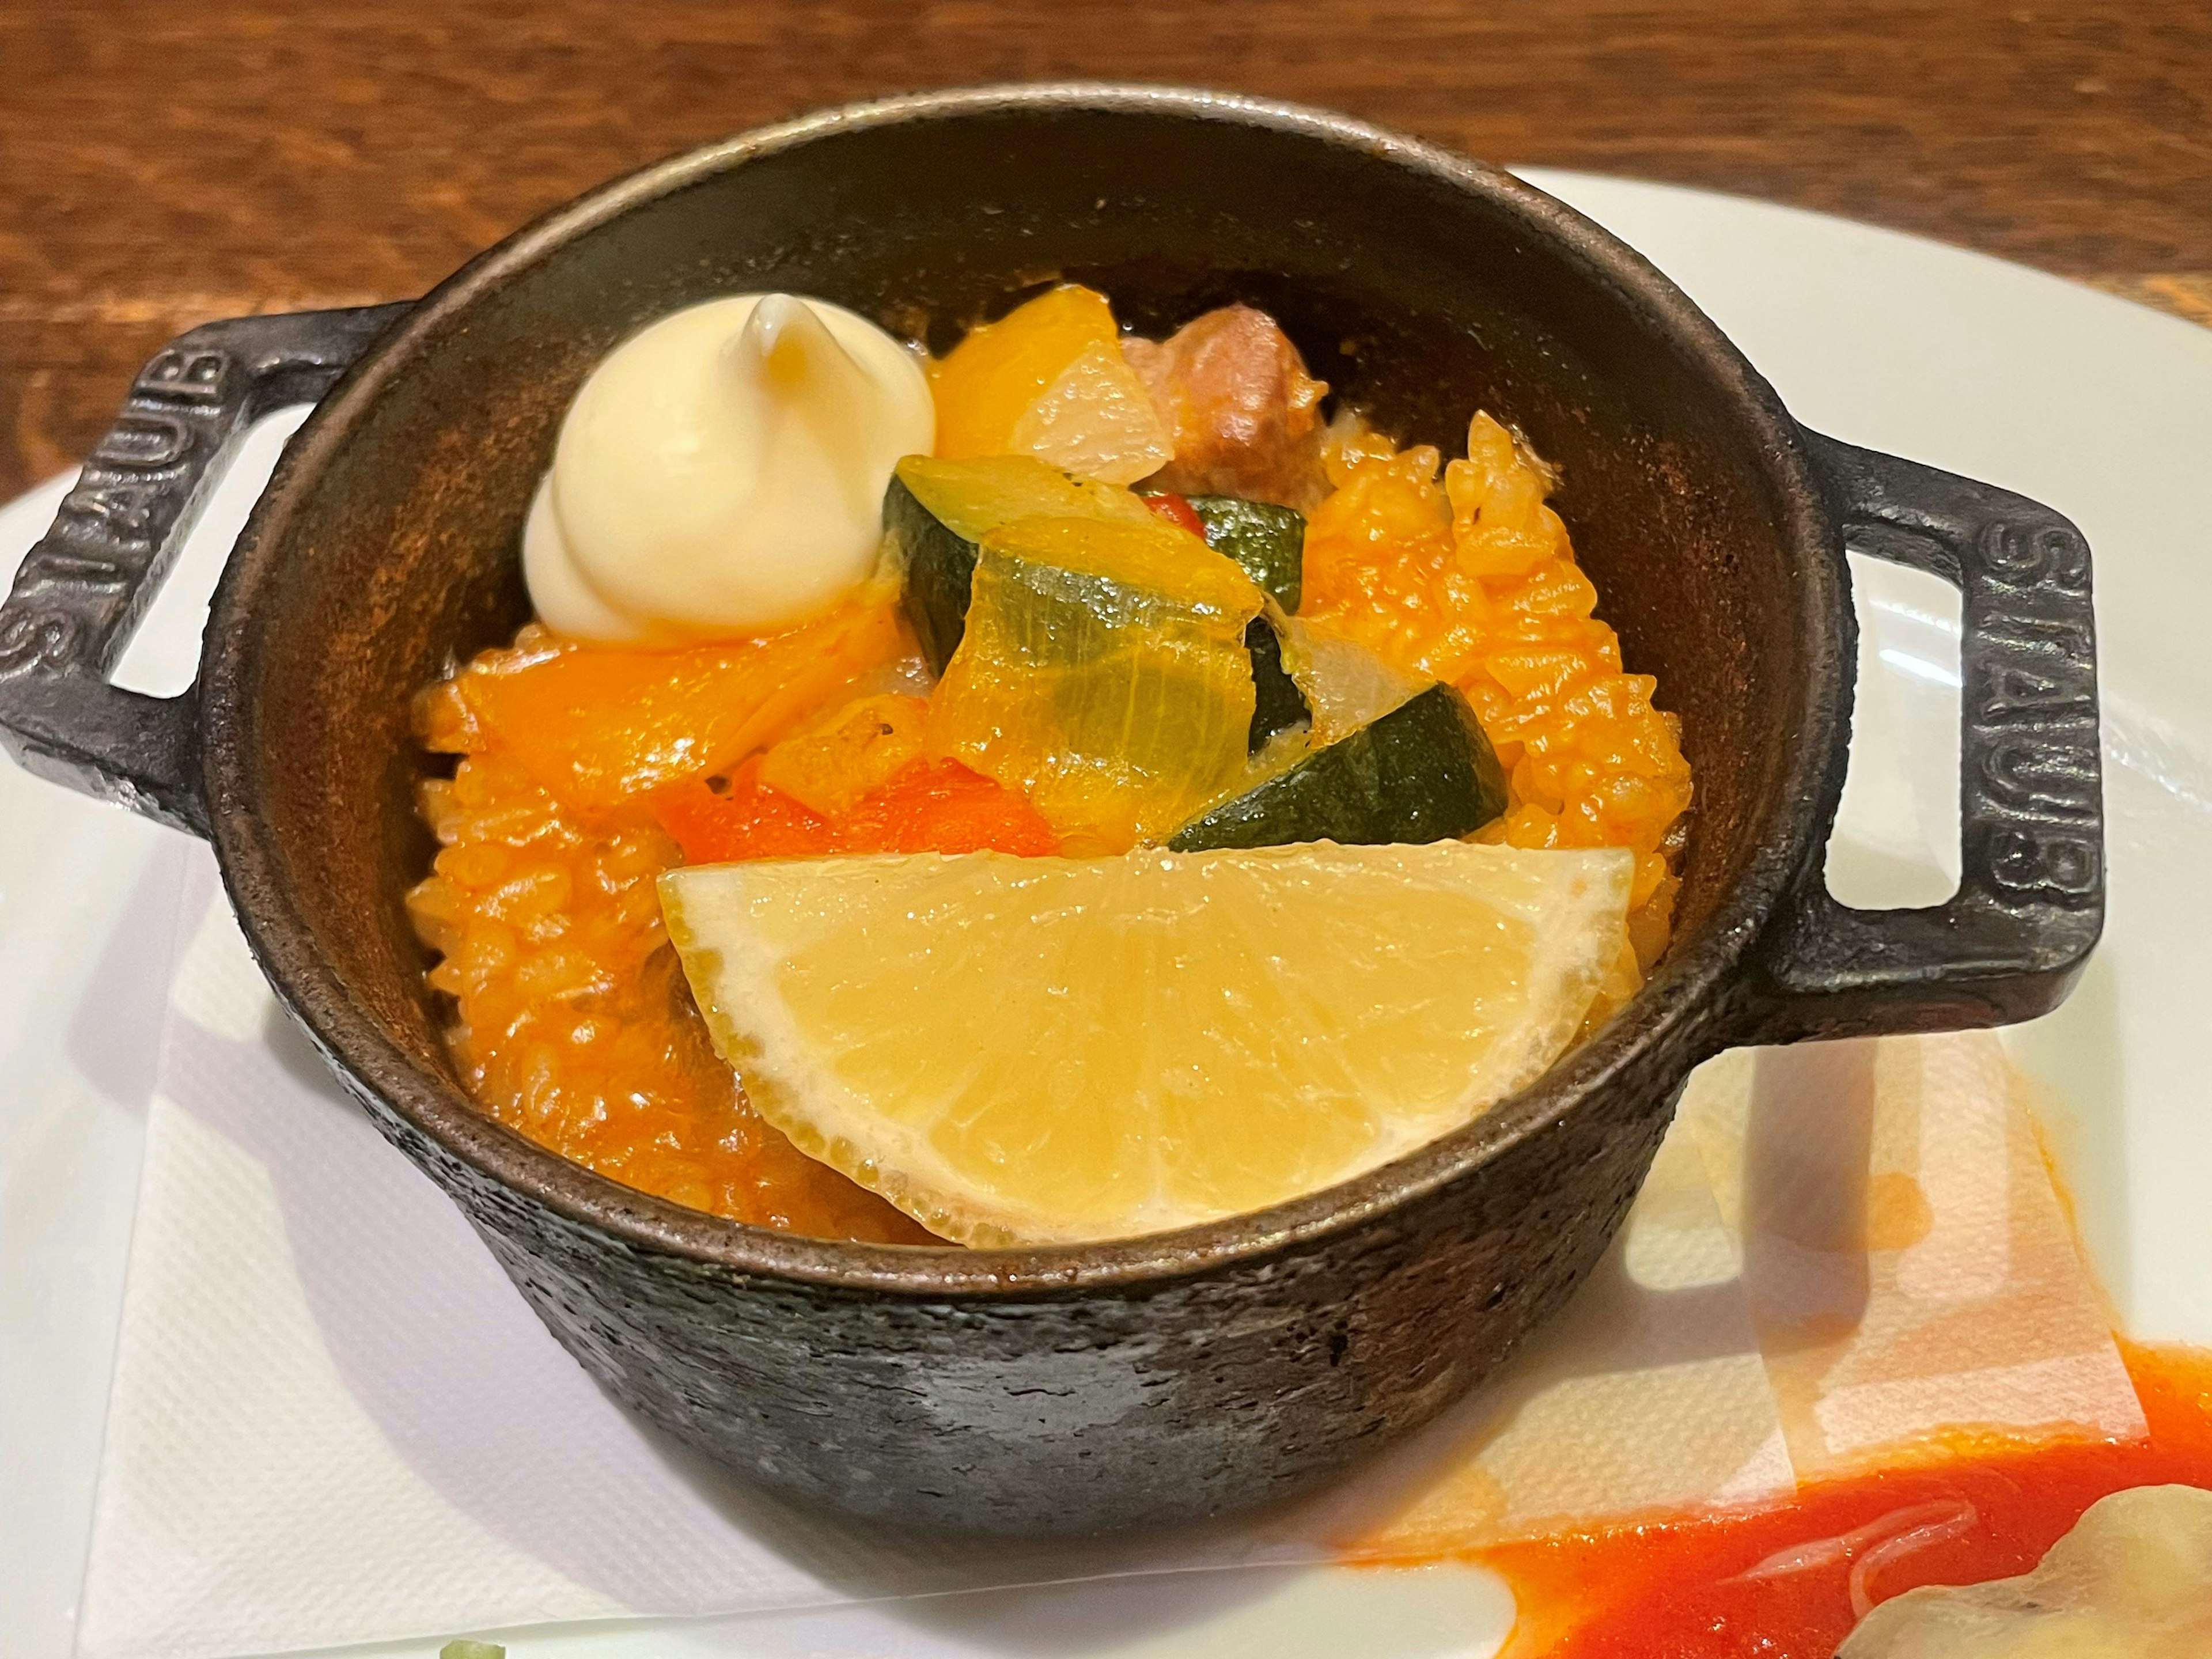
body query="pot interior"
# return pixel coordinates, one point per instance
(1419, 290)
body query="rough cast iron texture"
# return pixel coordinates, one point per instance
(1161, 1378)
(1157, 1403)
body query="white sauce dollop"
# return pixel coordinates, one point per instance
(723, 472)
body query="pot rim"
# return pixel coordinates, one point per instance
(1687, 1003)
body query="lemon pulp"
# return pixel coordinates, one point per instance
(1051, 1050)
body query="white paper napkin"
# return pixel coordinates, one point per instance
(333, 1420)
(1909, 1265)
(1647, 1393)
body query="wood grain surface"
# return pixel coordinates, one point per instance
(164, 164)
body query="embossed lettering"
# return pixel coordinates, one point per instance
(187, 376)
(126, 506)
(2071, 635)
(2030, 777)
(145, 440)
(2052, 555)
(2027, 860)
(50, 564)
(2020, 694)
(35, 639)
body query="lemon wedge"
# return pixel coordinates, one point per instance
(1052, 1050)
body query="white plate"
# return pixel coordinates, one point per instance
(2096, 406)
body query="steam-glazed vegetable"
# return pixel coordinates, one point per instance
(1048, 379)
(1422, 772)
(1103, 673)
(936, 511)
(1278, 705)
(1268, 541)
(1344, 686)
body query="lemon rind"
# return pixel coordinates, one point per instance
(793, 1089)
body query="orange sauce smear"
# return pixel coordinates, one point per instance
(1679, 1589)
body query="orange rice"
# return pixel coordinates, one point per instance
(572, 1023)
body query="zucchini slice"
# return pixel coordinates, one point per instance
(1276, 704)
(1268, 541)
(936, 512)
(1422, 772)
(1103, 673)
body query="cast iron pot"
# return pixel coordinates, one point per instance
(1164, 1378)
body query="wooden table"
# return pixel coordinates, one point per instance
(162, 164)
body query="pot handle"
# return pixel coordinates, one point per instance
(2031, 900)
(83, 590)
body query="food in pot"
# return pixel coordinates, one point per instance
(1051, 380)
(1244, 414)
(722, 472)
(1195, 1034)
(1181, 803)
(1103, 673)
(1422, 772)
(937, 513)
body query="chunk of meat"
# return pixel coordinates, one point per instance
(1244, 413)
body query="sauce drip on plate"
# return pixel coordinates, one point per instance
(1779, 1583)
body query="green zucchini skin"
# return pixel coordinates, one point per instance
(936, 513)
(1276, 704)
(1422, 772)
(940, 573)
(1268, 541)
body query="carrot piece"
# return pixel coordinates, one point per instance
(942, 807)
(1177, 511)
(929, 806)
(744, 819)
(595, 725)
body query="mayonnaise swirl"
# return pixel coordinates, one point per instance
(723, 472)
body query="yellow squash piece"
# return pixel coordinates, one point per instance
(1048, 379)
(973, 498)
(1055, 1049)
(862, 746)
(984, 384)
(1103, 673)
(597, 725)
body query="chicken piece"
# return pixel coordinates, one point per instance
(1244, 414)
